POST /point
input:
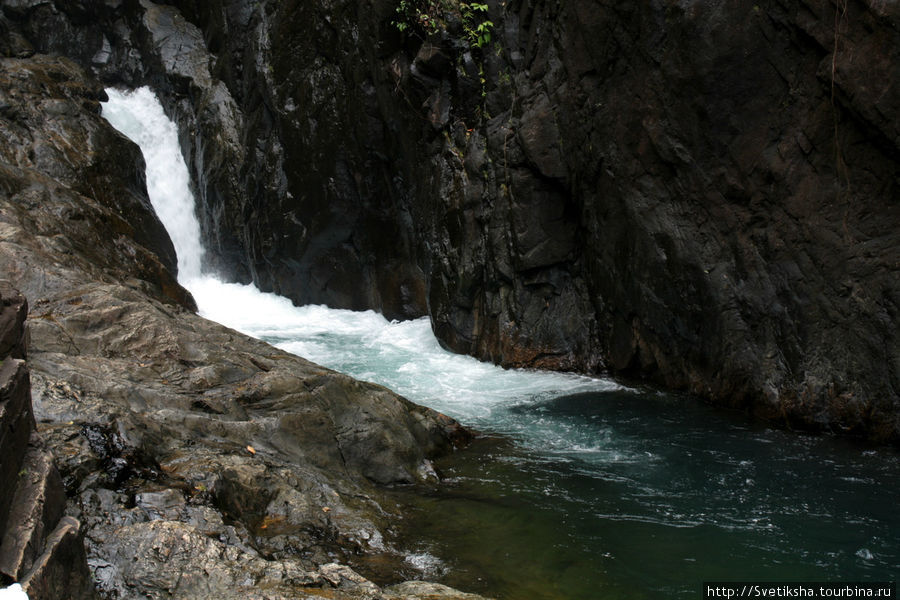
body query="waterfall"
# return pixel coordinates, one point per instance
(404, 356)
(605, 482)
(139, 115)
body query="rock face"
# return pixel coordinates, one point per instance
(197, 462)
(39, 547)
(705, 197)
(702, 196)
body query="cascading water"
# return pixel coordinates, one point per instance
(607, 491)
(403, 356)
(140, 116)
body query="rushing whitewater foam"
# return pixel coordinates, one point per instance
(403, 356)
(610, 484)
(141, 118)
(13, 592)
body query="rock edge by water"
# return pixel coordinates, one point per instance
(699, 196)
(198, 461)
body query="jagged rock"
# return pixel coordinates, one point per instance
(38, 546)
(16, 425)
(61, 571)
(13, 309)
(702, 198)
(36, 508)
(227, 467)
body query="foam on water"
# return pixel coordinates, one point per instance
(139, 115)
(428, 564)
(404, 356)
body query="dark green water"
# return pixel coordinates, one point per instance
(672, 494)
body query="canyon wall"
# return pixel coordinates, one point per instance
(702, 195)
(146, 451)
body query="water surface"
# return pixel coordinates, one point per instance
(580, 487)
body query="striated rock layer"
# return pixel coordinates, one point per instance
(700, 195)
(197, 462)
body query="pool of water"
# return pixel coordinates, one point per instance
(578, 487)
(672, 493)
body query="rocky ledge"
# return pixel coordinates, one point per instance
(198, 461)
(39, 547)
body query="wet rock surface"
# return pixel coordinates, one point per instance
(704, 197)
(197, 462)
(40, 549)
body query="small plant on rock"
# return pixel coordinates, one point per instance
(478, 28)
(427, 17)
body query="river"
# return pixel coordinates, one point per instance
(578, 487)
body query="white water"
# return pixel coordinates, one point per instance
(616, 485)
(13, 592)
(404, 356)
(140, 116)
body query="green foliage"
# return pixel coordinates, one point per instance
(427, 16)
(478, 29)
(418, 14)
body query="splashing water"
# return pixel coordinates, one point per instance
(13, 592)
(140, 116)
(402, 356)
(609, 491)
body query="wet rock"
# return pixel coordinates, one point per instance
(412, 590)
(343, 577)
(201, 462)
(13, 309)
(540, 138)
(61, 571)
(167, 559)
(59, 199)
(37, 506)
(39, 548)
(16, 425)
(701, 198)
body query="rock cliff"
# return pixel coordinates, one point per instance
(702, 196)
(194, 461)
(39, 547)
